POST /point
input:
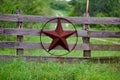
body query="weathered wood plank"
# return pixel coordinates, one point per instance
(86, 53)
(75, 20)
(19, 51)
(1, 31)
(86, 40)
(101, 47)
(81, 33)
(115, 59)
(18, 31)
(27, 45)
(103, 34)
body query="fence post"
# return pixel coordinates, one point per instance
(19, 51)
(86, 40)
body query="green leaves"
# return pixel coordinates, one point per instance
(36, 7)
(109, 7)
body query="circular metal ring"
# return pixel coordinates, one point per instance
(41, 32)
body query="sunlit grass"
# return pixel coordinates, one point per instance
(22, 70)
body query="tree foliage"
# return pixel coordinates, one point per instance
(36, 7)
(77, 8)
(108, 8)
(60, 5)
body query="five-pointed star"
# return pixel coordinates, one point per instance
(59, 36)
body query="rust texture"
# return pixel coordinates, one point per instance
(59, 36)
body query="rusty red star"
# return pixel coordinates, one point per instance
(59, 36)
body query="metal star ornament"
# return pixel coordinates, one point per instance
(59, 36)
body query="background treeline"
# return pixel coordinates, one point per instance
(97, 8)
(38, 7)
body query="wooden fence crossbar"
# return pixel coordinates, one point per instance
(30, 45)
(114, 59)
(75, 20)
(81, 33)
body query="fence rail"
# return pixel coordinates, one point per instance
(75, 20)
(81, 33)
(114, 59)
(29, 45)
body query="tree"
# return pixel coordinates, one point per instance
(78, 7)
(108, 8)
(59, 5)
(36, 7)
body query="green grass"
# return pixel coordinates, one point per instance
(22, 70)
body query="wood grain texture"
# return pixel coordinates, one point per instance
(115, 59)
(86, 40)
(81, 33)
(75, 20)
(28, 45)
(19, 51)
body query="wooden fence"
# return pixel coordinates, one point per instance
(86, 46)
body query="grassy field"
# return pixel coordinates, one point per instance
(22, 70)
